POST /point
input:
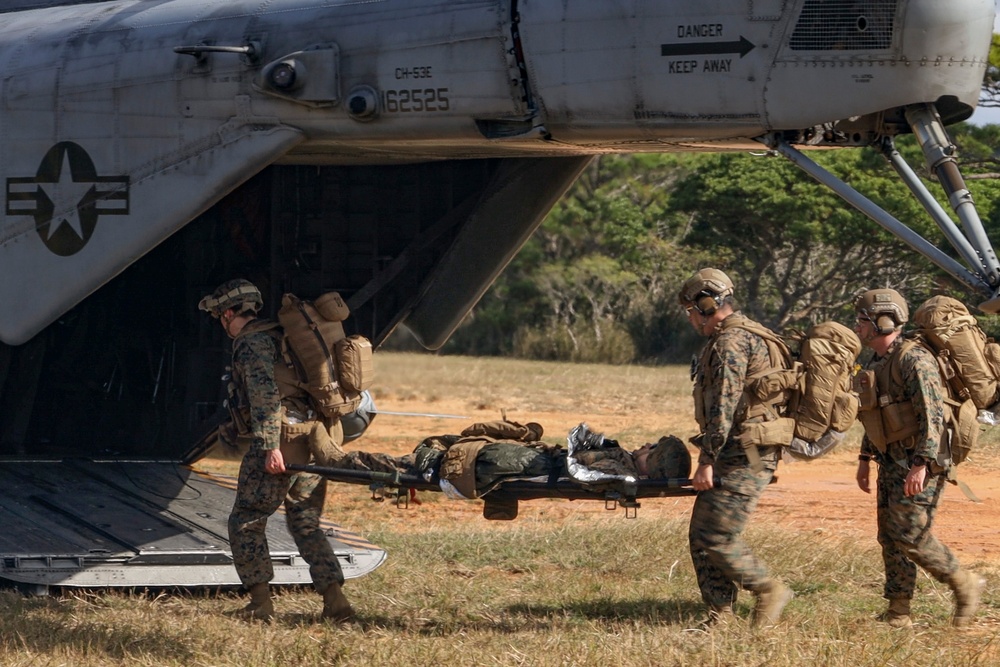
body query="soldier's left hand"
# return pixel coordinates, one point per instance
(862, 476)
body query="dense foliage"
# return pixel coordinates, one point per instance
(598, 280)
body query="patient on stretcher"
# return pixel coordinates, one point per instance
(486, 454)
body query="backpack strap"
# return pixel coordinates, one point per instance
(327, 352)
(962, 486)
(255, 326)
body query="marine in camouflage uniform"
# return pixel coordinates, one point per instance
(722, 561)
(261, 411)
(904, 413)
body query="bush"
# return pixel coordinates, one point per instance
(610, 344)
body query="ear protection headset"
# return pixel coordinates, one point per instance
(884, 324)
(707, 303)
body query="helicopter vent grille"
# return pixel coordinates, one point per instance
(844, 25)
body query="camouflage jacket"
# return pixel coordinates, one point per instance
(921, 385)
(609, 460)
(730, 356)
(254, 357)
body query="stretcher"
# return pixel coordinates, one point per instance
(573, 481)
(501, 502)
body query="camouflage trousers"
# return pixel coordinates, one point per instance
(258, 496)
(722, 561)
(904, 532)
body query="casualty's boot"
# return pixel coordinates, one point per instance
(260, 607)
(898, 613)
(967, 588)
(335, 605)
(771, 600)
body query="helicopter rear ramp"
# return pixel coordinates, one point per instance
(81, 523)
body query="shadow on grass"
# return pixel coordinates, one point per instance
(646, 610)
(519, 618)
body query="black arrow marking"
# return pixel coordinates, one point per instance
(743, 47)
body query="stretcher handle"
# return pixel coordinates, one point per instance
(395, 479)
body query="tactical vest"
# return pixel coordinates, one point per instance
(458, 465)
(885, 411)
(759, 415)
(293, 398)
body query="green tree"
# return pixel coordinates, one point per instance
(990, 96)
(591, 279)
(799, 251)
(598, 281)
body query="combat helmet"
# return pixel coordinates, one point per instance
(241, 295)
(705, 290)
(885, 307)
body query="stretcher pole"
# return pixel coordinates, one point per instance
(391, 479)
(519, 489)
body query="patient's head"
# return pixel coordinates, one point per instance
(664, 459)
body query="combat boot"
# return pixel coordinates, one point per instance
(771, 600)
(260, 608)
(335, 605)
(967, 588)
(898, 613)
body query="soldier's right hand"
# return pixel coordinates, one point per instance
(274, 462)
(704, 477)
(863, 475)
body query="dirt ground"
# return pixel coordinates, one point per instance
(819, 496)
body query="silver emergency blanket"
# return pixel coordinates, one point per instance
(582, 438)
(802, 450)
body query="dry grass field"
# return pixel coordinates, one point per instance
(567, 583)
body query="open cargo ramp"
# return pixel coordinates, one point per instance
(82, 523)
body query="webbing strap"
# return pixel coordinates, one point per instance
(319, 338)
(753, 456)
(962, 486)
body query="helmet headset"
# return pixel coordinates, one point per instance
(707, 303)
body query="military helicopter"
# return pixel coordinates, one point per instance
(397, 151)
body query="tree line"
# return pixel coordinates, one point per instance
(598, 281)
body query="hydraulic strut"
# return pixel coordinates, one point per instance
(940, 155)
(880, 216)
(973, 246)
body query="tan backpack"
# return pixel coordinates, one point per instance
(819, 403)
(969, 361)
(970, 367)
(825, 399)
(331, 367)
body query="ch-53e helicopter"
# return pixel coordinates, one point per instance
(398, 151)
